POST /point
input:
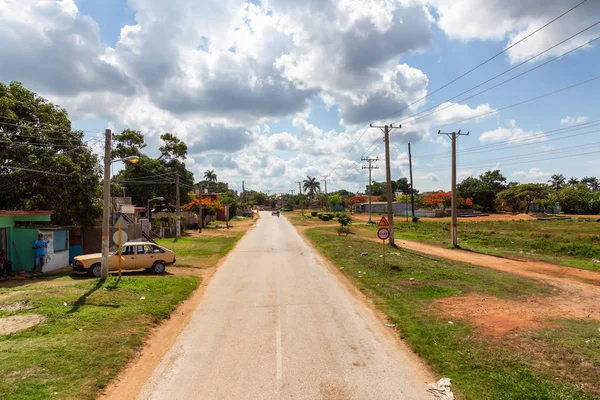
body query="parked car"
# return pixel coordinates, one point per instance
(275, 212)
(134, 255)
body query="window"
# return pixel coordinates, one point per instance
(60, 241)
(156, 249)
(125, 250)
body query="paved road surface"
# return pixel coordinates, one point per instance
(276, 324)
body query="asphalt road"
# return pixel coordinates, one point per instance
(276, 324)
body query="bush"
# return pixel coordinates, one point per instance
(416, 219)
(343, 230)
(314, 213)
(330, 215)
(344, 220)
(325, 217)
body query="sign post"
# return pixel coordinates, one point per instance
(383, 233)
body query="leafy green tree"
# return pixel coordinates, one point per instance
(575, 200)
(127, 144)
(592, 182)
(335, 200)
(557, 181)
(526, 194)
(210, 176)
(44, 164)
(403, 185)
(380, 188)
(172, 147)
(482, 190)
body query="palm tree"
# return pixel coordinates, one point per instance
(557, 181)
(210, 175)
(311, 185)
(592, 182)
(573, 182)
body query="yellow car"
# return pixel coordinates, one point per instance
(134, 255)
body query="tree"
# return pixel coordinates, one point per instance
(356, 200)
(173, 147)
(575, 200)
(127, 144)
(403, 185)
(483, 189)
(45, 165)
(380, 188)
(335, 200)
(438, 199)
(557, 181)
(526, 193)
(573, 182)
(311, 186)
(210, 176)
(592, 182)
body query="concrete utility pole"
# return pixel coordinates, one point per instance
(106, 206)
(453, 231)
(412, 192)
(177, 207)
(299, 187)
(370, 167)
(325, 178)
(388, 175)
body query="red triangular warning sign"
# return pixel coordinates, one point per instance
(383, 222)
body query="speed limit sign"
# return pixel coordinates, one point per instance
(383, 233)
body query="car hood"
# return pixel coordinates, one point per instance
(88, 257)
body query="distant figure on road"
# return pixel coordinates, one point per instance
(40, 245)
(195, 219)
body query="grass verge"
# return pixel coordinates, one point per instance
(567, 243)
(201, 251)
(91, 330)
(480, 366)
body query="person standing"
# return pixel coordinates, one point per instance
(5, 266)
(40, 247)
(195, 219)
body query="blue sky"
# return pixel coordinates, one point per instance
(298, 93)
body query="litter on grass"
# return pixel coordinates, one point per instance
(441, 389)
(143, 298)
(390, 325)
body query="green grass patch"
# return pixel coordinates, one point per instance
(92, 330)
(480, 367)
(201, 251)
(568, 243)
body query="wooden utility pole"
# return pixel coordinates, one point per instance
(388, 175)
(106, 206)
(177, 207)
(412, 192)
(453, 230)
(370, 167)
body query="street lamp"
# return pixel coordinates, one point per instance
(106, 201)
(149, 200)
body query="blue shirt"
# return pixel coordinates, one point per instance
(40, 247)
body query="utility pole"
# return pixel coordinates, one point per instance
(299, 187)
(106, 206)
(453, 231)
(388, 174)
(412, 192)
(177, 207)
(370, 167)
(325, 178)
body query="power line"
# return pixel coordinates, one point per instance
(40, 129)
(35, 170)
(522, 102)
(460, 77)
(419, 115)
(488, 60)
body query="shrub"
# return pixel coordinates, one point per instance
(343, 230)
(314, 213)
(331, 215)
(416, 219)
(325, 217)
(344, 220)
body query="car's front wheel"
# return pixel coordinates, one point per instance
(95, 270)
(158, 267)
